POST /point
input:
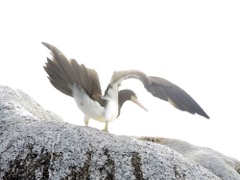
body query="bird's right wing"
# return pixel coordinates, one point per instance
(162, 89)
(64, 73)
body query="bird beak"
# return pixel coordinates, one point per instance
(135, 100)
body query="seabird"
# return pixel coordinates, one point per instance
(82, 83)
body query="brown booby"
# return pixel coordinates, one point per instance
(82, 83)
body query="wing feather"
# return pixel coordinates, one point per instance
(63, 74)
(162, 89)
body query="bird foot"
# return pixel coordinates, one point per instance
(105, 130)
(86, 120)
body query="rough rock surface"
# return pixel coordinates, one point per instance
(35, 144)
(226, 168)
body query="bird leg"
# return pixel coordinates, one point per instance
(106, 127)
(86, 120)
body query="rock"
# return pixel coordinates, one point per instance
(35, 144)
(226, 168)
(20, 103)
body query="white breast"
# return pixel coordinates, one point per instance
(111, 111)
(92, 108)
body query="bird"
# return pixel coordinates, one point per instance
(82, 83)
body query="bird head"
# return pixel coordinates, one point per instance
(127, 94)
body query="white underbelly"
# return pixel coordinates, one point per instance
(111, 112)
(93, 109)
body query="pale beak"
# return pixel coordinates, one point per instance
(135, 100)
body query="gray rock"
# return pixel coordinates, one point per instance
(22, 104)
(226, 168)
(37, 145)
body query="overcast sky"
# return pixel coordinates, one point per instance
(194, 44)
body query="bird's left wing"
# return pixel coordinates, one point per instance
(162, 89)
(119, 76)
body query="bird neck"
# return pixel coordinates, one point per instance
(121, 100)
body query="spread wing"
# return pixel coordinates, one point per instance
(162, 89)
(63, 74)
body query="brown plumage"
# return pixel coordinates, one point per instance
(163, 89)
(63, 74)
(82, 83)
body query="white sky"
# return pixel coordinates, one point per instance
(194, 44)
